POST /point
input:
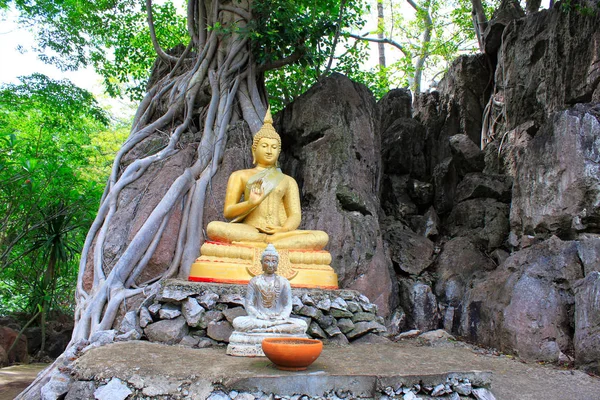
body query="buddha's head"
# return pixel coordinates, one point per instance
(266, 144)
(269, 260)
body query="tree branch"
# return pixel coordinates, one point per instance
(296, 55)
(161, 53)
(384, 40)
(242, 13)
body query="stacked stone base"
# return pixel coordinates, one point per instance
(198, 314)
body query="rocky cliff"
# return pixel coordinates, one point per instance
(478, 209)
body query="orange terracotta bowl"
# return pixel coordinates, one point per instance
(292, 354)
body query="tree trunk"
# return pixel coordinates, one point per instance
(380, 33)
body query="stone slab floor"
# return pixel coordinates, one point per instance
(160, 369)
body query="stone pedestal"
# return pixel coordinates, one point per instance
(244, 344)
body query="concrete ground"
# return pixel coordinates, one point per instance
(356, 367)
(15, 378)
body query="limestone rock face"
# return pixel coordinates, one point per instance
(412, 252)
(526, 304)
(556, 187)
(395, 104)
(420, 304)
(19, 352)
(587, 322)
(332, 148)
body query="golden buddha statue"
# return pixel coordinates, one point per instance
(263, 206)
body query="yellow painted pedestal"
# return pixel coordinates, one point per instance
(228, 263)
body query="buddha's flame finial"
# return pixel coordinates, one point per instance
(268, 118)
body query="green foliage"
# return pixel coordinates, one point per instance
(50, 185)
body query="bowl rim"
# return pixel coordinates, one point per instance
(284, 341)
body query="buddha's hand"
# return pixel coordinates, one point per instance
(271, 229)
(256, 193)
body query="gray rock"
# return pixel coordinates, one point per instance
(192, 311)
(336, 340)
(556, 178)
(587, 322)
(463, 388)
(478, 185)
(205, 342)
(169, 331)
(130, 321)
(420, 305)
(345, 325)
(436, 336)
(174, 294)
(232, 313)
(245, 396)
(309, 311)
(445, 180)
(145, 317)
(219, 331)
(363, 316)
(235, 299)
(340, 313)
(439, 390)
(371, 338)
(324, 305)
(131, 335)
(454, 396)
(353, 306)
(427, 225)
(103, 337)
(332, 330)
(412, 252)
(397, 322)
(307, 300)
(208, 300)
(315, 331)
(403, 147)
(169, 311)
(326, 321)
(210, 316)
(81, 390)
(408, 334)
(116, 389)
(485, 221)
(364, 327)
(218, 395)
(409, 396)
(189, 341)
(395, 104)
(420, 192)
(154, 309)
(296, 303)
(483, 394)
(339, 304)
(588, 250)
(57, 386)
(467, 155)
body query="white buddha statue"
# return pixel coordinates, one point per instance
(269, 306)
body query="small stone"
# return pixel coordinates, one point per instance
(245, 396)
(131, 335)
(169, 331)
(315, 331)
(464, 389)
(353, 307)
(81, 390)
(369, 307)
(363, 299)
(309, 311)
(389, 391)
(345, 325)
(154, 309)
(208, 300)
(145, 317)
(296, 302)
(339, 304)
(337, 313)
(205, 342)
(454, 396)
(364, 327)
(169, 311)
(114, 390)
(326, 321)
(232, 299)
(192, 311)
(333, 330)
(483, 394)
(174, 294)
(232, 313)
(56, 387)
(220, 331)
(384, 397)
(408, 334)
(337, 340)
(409, 396)
(218, 395)
(363, 316)
(307, 300)
(130, 321)
(136, 381)
(189, 341)
(233, 394)
(103, 337)
(324, 305)
(210, 316)
(439, 390)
